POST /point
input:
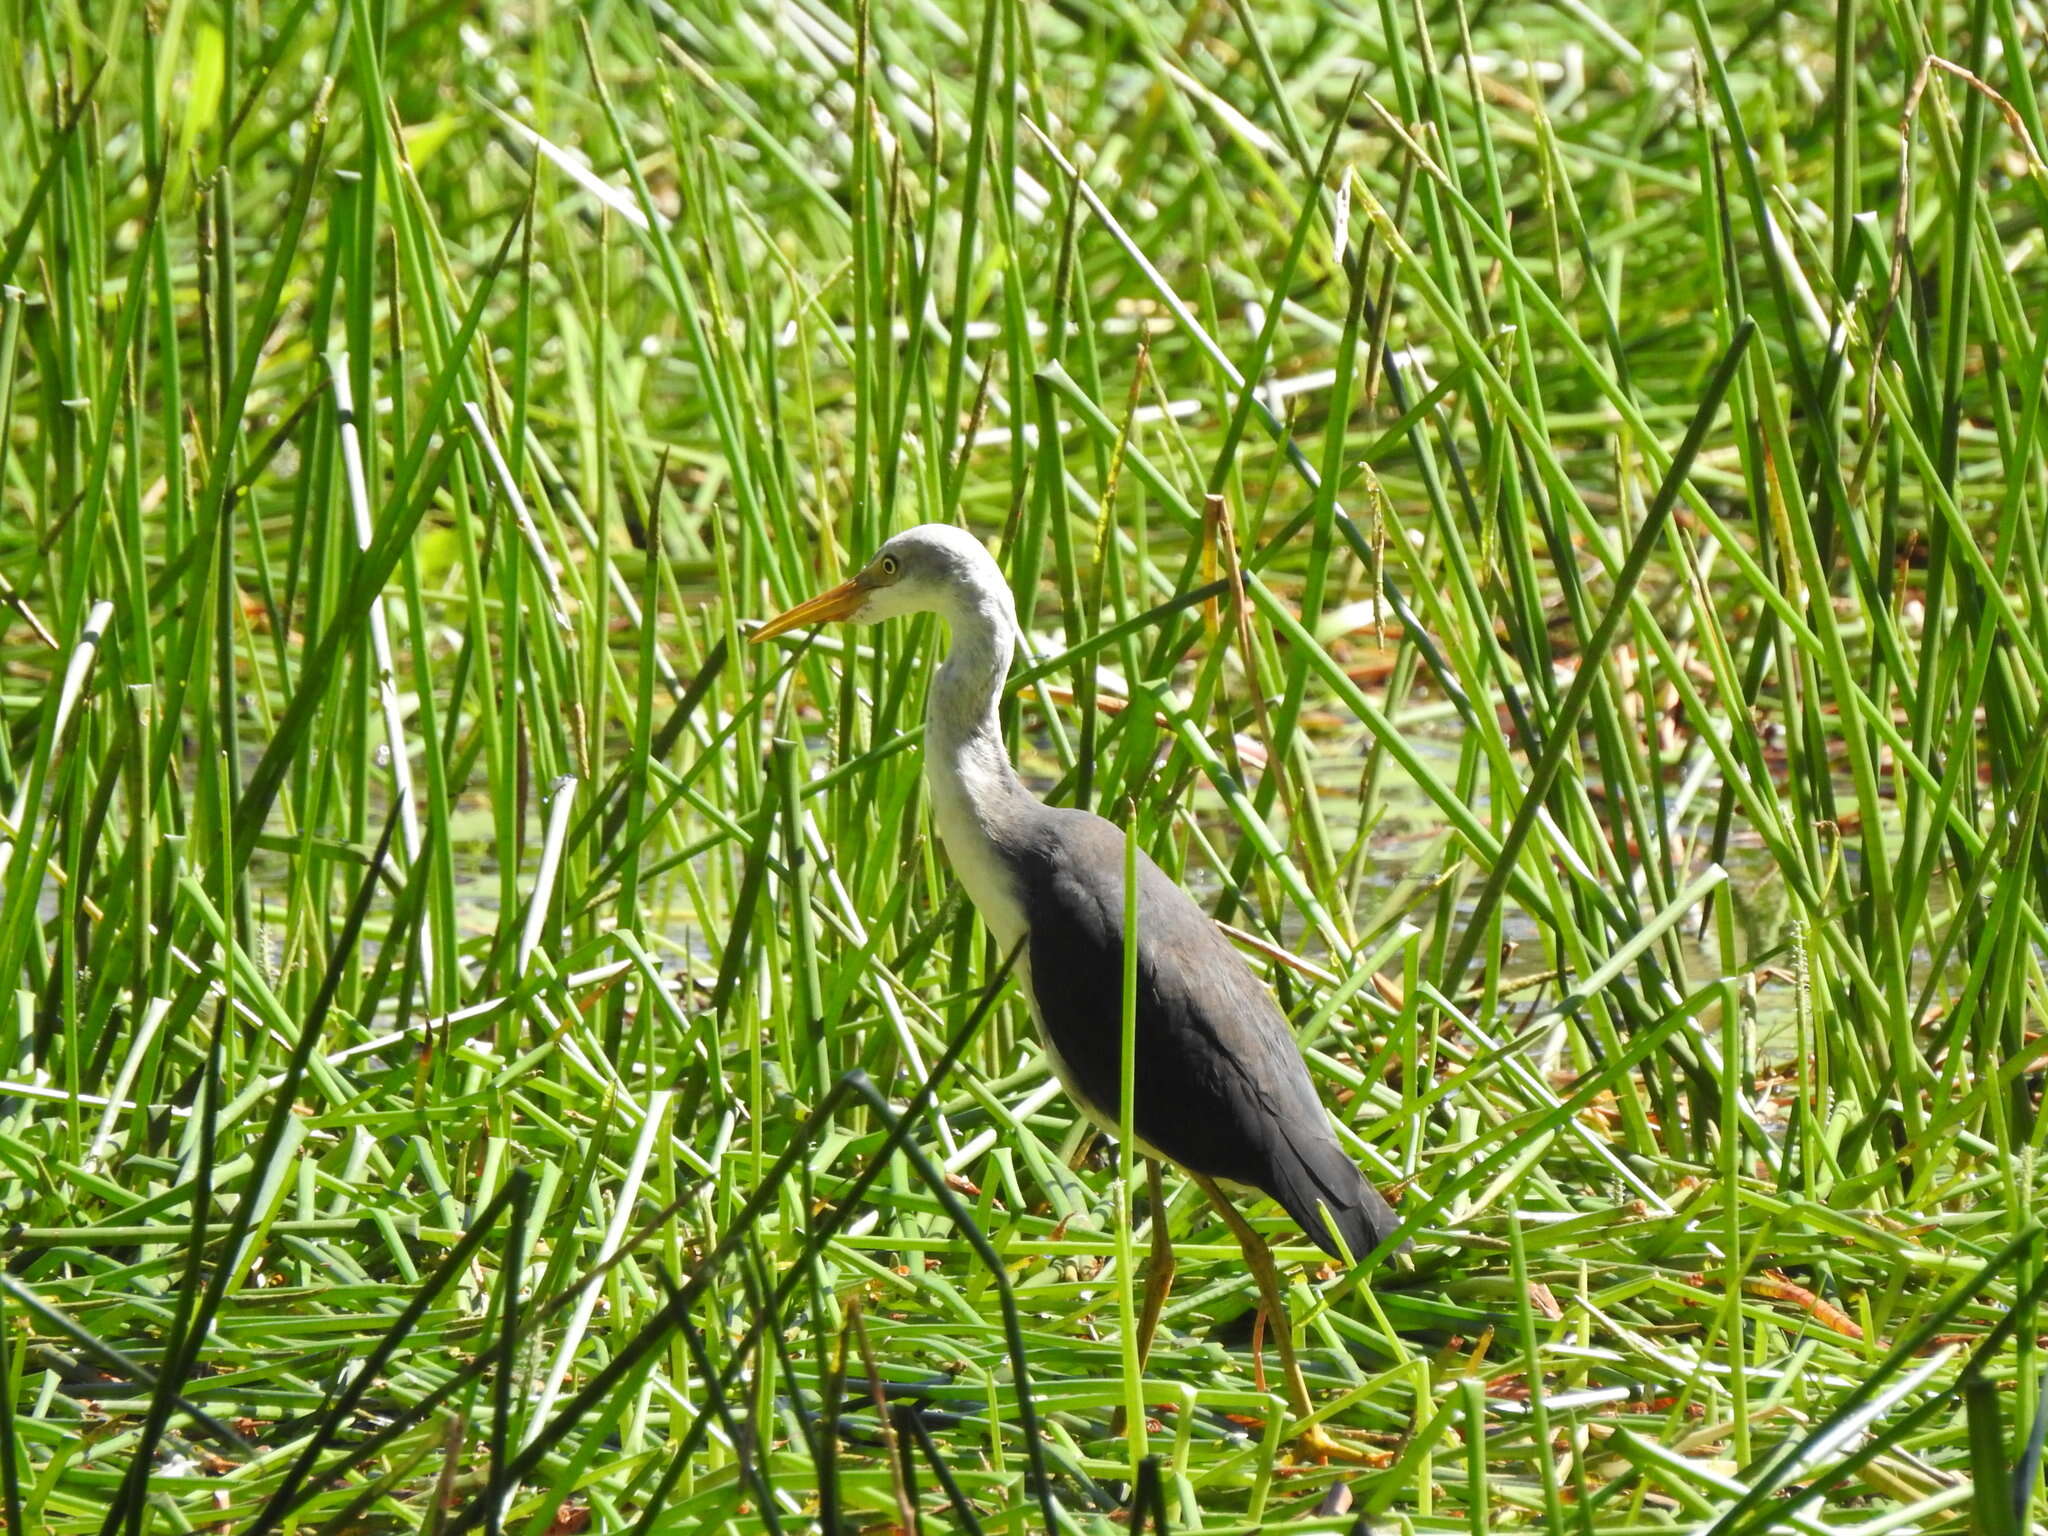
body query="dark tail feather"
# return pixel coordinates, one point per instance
(1309, 1180)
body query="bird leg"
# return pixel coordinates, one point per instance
(1159, 1272)
(1260, 1260)
(1314, 1441)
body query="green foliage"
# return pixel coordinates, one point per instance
(486, 1048)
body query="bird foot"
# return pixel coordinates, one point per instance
(1319, 1445)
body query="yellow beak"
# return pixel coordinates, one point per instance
(842, 602)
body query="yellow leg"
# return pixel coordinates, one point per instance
(1081, 1150)
(1159, 1272)
(1313, 1441)
(1158, 1277)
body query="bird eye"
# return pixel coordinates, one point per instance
(889, 565)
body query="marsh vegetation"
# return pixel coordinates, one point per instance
(485, 1048)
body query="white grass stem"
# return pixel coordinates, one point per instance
(68, 695)
(614, 1235)
(521, 513)
(380, 646)
(131, 1063)
(560, 800)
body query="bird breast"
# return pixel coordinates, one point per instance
(979, 864)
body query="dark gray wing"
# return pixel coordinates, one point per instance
(1221, 1086)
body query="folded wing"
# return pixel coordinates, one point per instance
(1221, 1087)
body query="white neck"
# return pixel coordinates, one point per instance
(975, 791)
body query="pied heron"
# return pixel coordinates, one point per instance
(1219, 1087)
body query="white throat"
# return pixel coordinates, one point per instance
(975, 791)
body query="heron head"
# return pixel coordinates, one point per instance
(932, 568)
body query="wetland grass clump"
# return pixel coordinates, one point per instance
(1535, 515)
